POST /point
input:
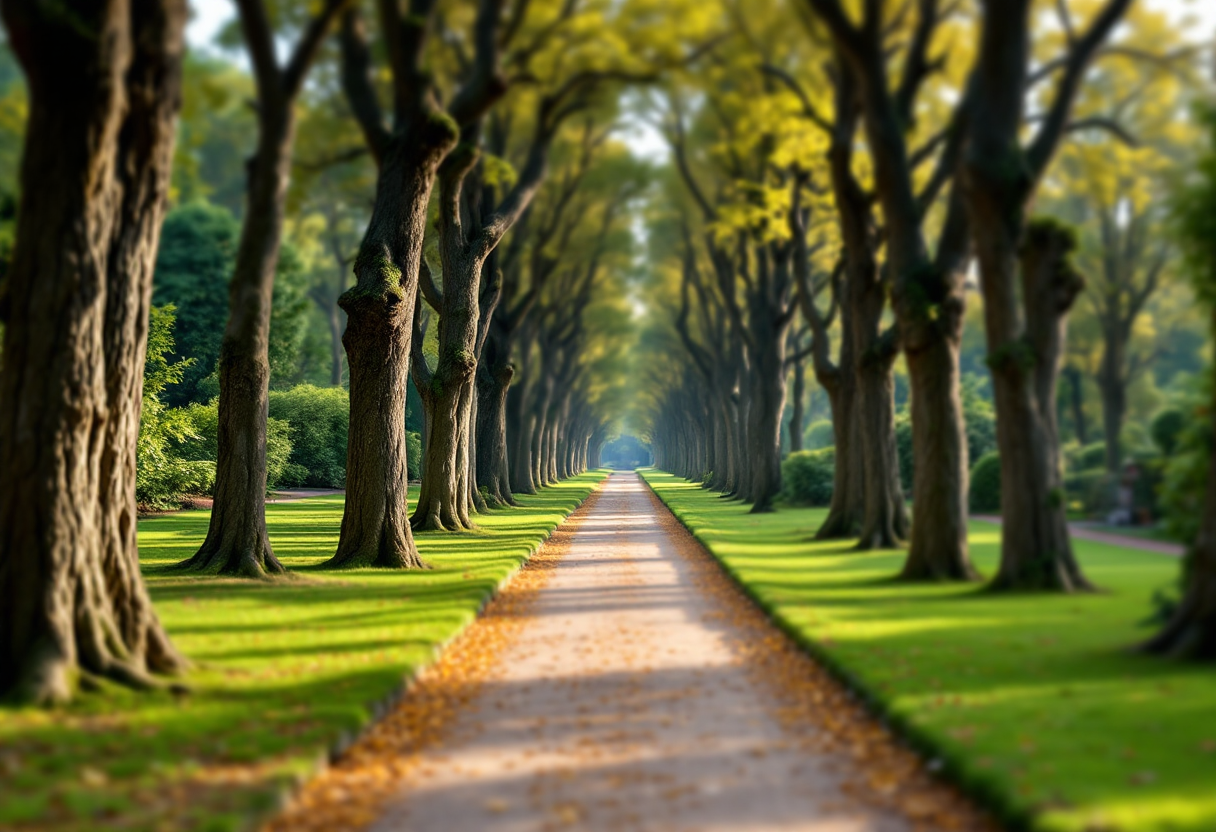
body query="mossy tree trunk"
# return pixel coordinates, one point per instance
(927, 294)
(237, 542)
(999, 178)
(104, 94)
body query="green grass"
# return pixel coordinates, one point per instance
(1033, 702)
(285, 670)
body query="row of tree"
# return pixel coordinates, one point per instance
(842, 181)
(514, 350)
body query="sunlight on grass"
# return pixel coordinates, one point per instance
(284, 669)
(1033, 701)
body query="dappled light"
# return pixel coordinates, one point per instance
(524, 415)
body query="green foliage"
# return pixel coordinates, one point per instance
(1194, 209)
(318, 420)
(1166, 429)
(807, 477)
(162, 477)
(819, 435)
(193, 267)
(197, 248)
(1185, 478)
(413, 454)
(986, 483)
(202, 443)
(1090, 456)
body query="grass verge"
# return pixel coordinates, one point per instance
(286, 671)
(1032, 702)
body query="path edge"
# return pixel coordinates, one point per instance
(948, 767)
(380, 708)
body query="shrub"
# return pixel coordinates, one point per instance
(163, 477)
(319, 420)
(986, 483)
(1093, 491)
(1185, 478)
(903, 448)
(413, 454)
(819, 435)
(1166, 429)
(201, 442)
(807, 477)
(1090, 456)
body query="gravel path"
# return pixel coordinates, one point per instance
(630, 686)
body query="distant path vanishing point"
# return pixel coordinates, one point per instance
(637, 688)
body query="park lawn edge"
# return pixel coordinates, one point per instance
(289, 771)
(946, 764)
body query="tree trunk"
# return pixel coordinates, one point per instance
(237, 543)
(1077, 403)
(334, 319)
(798, 406)
(1114, 400)
(104, 94)
(1036, 552)
(378, 341)
(938, 546)
(493, 466)
(521, 425)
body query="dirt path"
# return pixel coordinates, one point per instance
(1084, 531)
(627, 684)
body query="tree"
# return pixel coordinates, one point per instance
(928, 290)
(1191, 630)
(1000, 176)
(236, 541)
(104, 84)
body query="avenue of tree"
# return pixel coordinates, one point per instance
(841, 180)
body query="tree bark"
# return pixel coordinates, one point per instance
(380, 310)
(104, 94)
(237, 542)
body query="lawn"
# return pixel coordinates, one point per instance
(1033, 702)
(285, 670)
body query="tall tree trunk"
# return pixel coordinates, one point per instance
(1076, 401)
(104, 94)
(1036, 552)
(521, 425)
(380, 309)
(493, 466)
(1114, 399)
(334, 318)
(237, 542)
(797, 406)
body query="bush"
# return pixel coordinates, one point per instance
(162, 476)
(1092, 491)
(1185, 478)
(819, 435)
(903, 449)
(413, 454)
(807, 477)
(202, 444)
(1166, 429)
(319, 420)
(1090, 456)
(986, 483)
